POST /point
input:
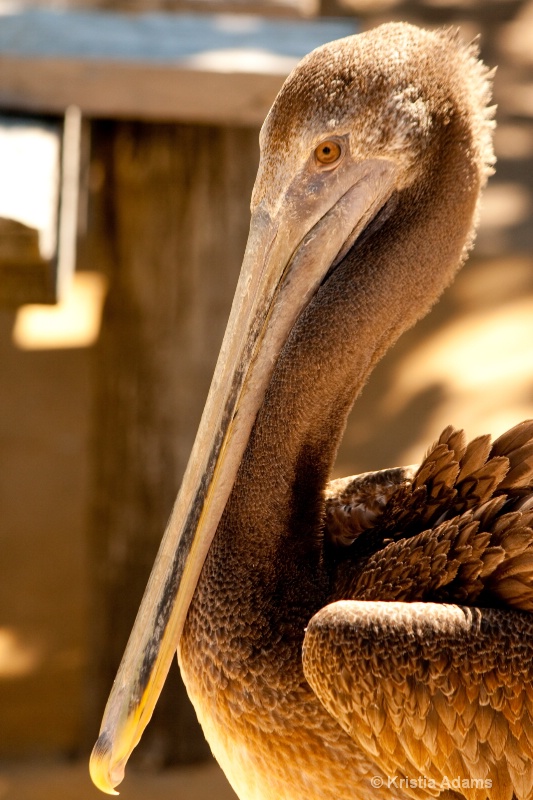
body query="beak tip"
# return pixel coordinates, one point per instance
(104, 775)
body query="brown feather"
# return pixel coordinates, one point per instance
(474, 742)
(478, 553)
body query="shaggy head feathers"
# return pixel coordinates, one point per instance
(394, 90)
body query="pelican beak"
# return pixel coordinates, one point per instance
(288, 254)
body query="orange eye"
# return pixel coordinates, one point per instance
(328, 152)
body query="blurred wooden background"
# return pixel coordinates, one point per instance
(95, 429)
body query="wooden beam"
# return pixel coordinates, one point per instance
(266, 8)
(177, 228)
(218, 69)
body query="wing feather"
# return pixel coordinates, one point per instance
(431, 692)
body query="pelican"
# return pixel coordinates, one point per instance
(369, 635)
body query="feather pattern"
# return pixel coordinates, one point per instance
(439, 695)
(444, 693)
(454, 530)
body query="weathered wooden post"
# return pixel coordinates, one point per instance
(178, 198)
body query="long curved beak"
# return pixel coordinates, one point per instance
(287, 256)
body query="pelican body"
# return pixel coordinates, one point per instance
(372, 632)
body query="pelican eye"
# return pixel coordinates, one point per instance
(328, 152)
